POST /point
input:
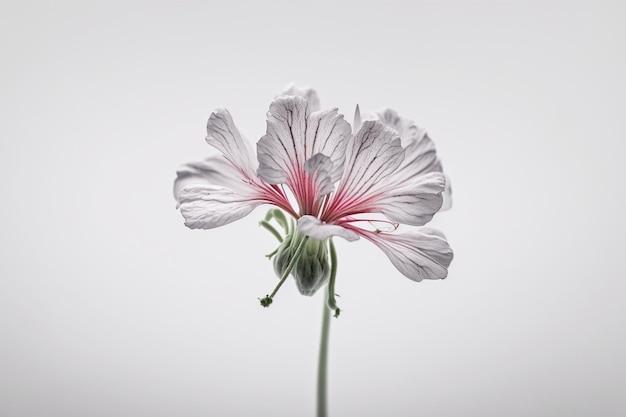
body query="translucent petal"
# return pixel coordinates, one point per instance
(223, 135)
(306, 92)
(421, 155)
(313, 227)
(406, 128)
(372, 155)
(447, 196)
(294, 135)
(215, 170)
(416, 255)
(414, 201)
(208, 206)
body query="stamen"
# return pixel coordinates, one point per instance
(267, 300)
(323, 205)
(394, 225)
(330, 300)
(279, 216)
(271, 229)
(274, 252)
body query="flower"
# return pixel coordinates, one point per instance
(331, 178)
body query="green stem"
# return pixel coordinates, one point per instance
(322, 374)
(329, 304)
(332, 304)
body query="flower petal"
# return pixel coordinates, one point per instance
(208, 206)
(421, 155)
(406, 128)
(420, 159)
(306, 92)
(280, 152)
(223, 135)
(373, 154)
(416, 255)
(294, 135)
(313, 227)
(447, 196)
(215, 170)
(413, 202)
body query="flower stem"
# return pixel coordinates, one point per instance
(322, 374)
(332, 304)
(322, 368)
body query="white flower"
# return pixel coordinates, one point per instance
(332, 179)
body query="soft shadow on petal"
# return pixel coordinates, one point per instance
(406, 128)
(413, 202)
(214, 170)
(420, 158)
(312, 227)
(223, 135)
(432, 231)
(306, 92)
(447, 196)
(328, 133)
(416, 255)
(319, 167)
(421, 155)
(207, 206)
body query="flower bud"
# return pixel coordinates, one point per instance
(311, 270)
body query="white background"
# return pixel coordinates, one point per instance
(109, 306)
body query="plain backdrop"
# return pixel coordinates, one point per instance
(109, 306)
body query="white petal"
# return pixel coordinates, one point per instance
(407, 129)
(280, 152)
(417, 255)
(215, 170)
(319, 167)
(306, 92)
(207, 206)
(294, 135)
(372, 155)
(413, 202)
(420, 159)
(434, 232)
(421, 155)
(447, 196)
(224, 136)
(311, 226)
(328, 133)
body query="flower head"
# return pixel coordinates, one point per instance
(333, 179)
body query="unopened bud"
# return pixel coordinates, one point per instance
(311, 270)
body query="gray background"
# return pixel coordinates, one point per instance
(109, 306)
